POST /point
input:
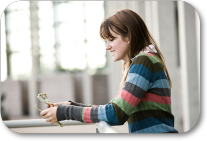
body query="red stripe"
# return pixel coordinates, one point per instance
(128, 97)
(86, 115)
(156, 98)
(149, 54)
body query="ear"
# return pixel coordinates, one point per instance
(127, 39)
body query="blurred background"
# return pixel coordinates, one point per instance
(55, 47)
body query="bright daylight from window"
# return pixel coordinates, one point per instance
(68, 38)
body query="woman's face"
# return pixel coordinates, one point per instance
(117, 47)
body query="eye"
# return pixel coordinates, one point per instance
(111, 39)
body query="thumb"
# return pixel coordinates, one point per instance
(56, 104)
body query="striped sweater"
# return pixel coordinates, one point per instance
(144, 101)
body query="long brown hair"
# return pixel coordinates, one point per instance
(130, 25)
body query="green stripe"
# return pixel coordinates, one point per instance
(125, 106)
(154, 59)
(149, 113)
(153, 106)
(128, 109)
(152, 63)
(82, 115)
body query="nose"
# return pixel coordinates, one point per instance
(108, 47)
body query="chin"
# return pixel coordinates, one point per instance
(115, 59)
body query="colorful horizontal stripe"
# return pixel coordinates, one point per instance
(149, 54)
(160, 91)
(148, 75)
(133, 89)
(128, 97)
(142, 71)
(161, 128)
(153, 106)
(141, 115)
(94, 115)
(156, 98)
(111, 116)
(86, 114)
(162, 83)
(120, 114)
(152, 58)
(153, 67)
(124, 105)
(138, 80)
(149, 122)
(102, 113)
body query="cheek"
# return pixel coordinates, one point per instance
(115, 46)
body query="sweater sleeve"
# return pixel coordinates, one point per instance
(117, 112)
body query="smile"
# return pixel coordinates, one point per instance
(113, 53)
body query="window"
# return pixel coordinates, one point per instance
(68, 36)
(46, 36)
(17, 19)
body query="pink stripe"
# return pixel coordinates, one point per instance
(149, 54)
(118, 95)
(128, 97)
(86, 115)
(156, 98)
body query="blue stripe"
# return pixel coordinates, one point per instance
(161, 128)
(111, 116)
(141, 70)
(138, 80)
(144, 72)
(149, 122)
(102, 113)
(162, 83)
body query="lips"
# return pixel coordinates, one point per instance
(113, 53)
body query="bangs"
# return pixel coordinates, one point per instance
(105, 28)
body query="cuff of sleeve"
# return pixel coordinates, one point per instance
(60, 114)
(69, 112)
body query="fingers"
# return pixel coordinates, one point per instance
(49, 106)
(53, 121)
(46, 116)
(44, 112)
(49, 119)
(50, 115)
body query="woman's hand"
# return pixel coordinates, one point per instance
(50, 115)
(56, 104)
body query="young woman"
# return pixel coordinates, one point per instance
(144, 98)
